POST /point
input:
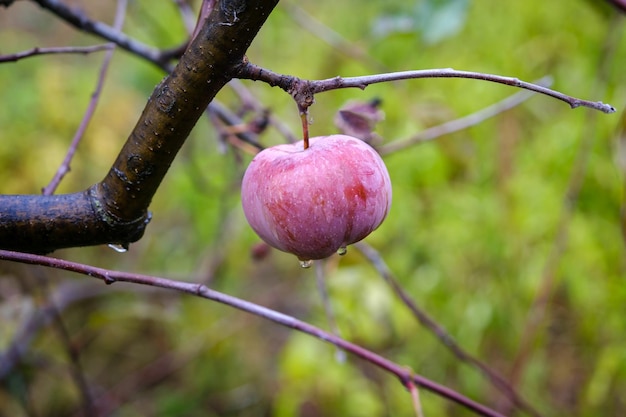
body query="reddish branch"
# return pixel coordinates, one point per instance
(405, 376)
(444, 337)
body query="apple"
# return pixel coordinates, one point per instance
(314, 202)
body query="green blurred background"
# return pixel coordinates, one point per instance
(481, 221)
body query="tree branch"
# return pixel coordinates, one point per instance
(304, 90)
(79, 20)
(200, 290)
(120, 14)
(462, 122)
(54, 50)
(116, 209)
(444, 337)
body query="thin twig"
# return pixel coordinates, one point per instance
(54, 50)
(444, 337)
(304, 90)
(64, 168)
(250, 101)
(78, 19)
(217, 110)
(364, 81)
(72, 353)
(202, 291)
(463, 122)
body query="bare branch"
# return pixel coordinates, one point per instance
(463, 122)
(78, 19)
(250, 101)
(91, 108)
(220, 112)
(55, 50)
(444, 337)
(362, 82)
(42, 224)
(304, 90)
(202, 291)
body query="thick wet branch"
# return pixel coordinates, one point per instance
(116, 209)
(41, 223)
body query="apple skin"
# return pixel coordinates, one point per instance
(312, 202)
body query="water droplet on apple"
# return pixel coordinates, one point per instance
(342, 251)
(306, 264)
(119, 247)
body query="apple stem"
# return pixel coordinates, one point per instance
(304, 118)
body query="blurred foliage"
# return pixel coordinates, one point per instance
(472, 235)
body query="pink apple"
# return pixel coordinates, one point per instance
(313, 202)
